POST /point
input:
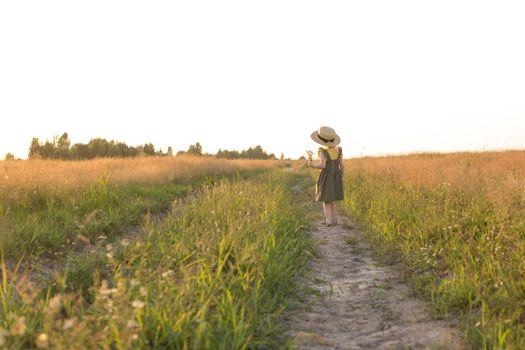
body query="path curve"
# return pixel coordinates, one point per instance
(357, 303)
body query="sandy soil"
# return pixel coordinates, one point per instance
(356, 303)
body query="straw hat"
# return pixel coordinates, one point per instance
(326, 136)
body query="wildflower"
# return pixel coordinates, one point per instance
(42, 341)
(109, 291)
(143, 291)
(55, 303)
(168, 274)
(69, 323)
(134, 337)
(132, 324)
(133, 283)
(19, 327)
(102, 237)
(109, 255)
(137, 304)
(125, 242)
(109, 247)
(104, 290)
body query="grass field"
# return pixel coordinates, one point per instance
(457, 221)
(219, 269)
(217, 272)
(45, 206)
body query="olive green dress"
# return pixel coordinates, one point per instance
(329, 186)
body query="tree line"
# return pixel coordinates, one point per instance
(256, 152)
(61, 148)
(251, 153)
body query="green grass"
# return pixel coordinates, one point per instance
(217, 273)
(50, 226)
(461, 250)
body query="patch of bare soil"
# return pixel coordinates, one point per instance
(357, 303)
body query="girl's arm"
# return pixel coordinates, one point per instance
(342, 165)
(318, 165)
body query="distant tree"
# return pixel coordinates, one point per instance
(251, 153)
(34, 149)
(63, 141)
(47, 151)
(62, 147)
(9, 156)
(98, 148)
(228, 154)
(148, 149)
(195, 150)
(80, 151)
(282, 156)
(170, 152)
(122, 150)
(255, 153)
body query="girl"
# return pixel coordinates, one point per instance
(329, 187)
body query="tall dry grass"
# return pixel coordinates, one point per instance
(20, 178)
(216, 274)
(458, 223)
(45, 204)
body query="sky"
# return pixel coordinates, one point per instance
(389, 76)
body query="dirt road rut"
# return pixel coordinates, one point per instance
(356, 303)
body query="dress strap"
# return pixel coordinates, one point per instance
(325, 151)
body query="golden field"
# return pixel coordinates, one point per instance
(45, 204)
(19, 178)
(215, 273)
(457, 221)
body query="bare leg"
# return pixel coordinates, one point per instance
(333, 213)
(327, 207)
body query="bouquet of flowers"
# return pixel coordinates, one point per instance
(310, 155)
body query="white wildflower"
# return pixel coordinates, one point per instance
(133, 283)
(167, 274)
(55, 303)
(69, 323)
(132, 324)
(137, 304)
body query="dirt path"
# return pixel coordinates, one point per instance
(358, 304)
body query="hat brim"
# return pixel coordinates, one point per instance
(335, 142)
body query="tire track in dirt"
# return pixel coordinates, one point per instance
(356, 303)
